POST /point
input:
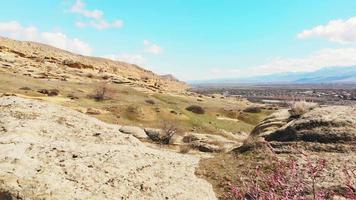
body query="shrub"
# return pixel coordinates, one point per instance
(25, 88)
(195, 109)
(168, 131)
(150, 101)
(289, 180)
(163, 135)
(50, 92)
(252, 109)
(299, 108)
(103, 92)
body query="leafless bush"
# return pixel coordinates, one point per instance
(163, 135)
(298, 108)
(103, 92)
(168, 131)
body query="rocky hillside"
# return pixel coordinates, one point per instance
(46, 62)
(51, 152)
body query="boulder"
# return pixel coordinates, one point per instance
(135, 131)
(271, 123)
(93, 111)
(51, 152)
(210, 143)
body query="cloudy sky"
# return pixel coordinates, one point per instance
(195, 39)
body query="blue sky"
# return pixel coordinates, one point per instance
(195, 39)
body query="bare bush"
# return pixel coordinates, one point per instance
(195, 109)
(163, 135)
(168, 131)
(299, 108)
(103, 92)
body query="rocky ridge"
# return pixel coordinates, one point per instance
(45, 62)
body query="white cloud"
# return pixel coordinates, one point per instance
(79, 7)
(152, 48)
(137, 59)
(317, 60)
(101, 24)
(97, 17)
(15, 30)
(340, 31)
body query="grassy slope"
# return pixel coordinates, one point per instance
(128, 106)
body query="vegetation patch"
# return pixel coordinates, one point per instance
(196, 109)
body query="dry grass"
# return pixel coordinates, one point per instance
(299, 108)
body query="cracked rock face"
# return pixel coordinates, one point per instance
(51, 152)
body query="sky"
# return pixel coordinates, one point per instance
(194, 39)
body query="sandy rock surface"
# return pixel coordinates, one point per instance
(51, 152)
(137, 132)
(333, 124)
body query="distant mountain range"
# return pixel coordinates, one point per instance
(325, 75)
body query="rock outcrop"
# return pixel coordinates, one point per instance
(51, 152)
(334, 124)
(210, 143)
(332, 127)
(271, 123)
(327, 133)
